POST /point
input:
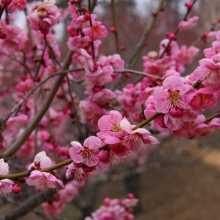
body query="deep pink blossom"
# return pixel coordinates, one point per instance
(44, 16)
(202, 99)
(109, 126)
(41, 161)
(76, 171)
(136, 138)
(115, 209)
(189, 23)
(96, 31)
(86, 154)
(53, 208)
(43, 180)
(16, 4)
(68, 192)
(171, 95)
(5, 184)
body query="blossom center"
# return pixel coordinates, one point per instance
(174, 97)
(116, 128)
(86, 153)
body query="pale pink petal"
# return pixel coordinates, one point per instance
(4, 168)
(112, 140)
(92, 142)
(75, 153)
(126, 126)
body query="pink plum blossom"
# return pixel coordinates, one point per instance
(83, 59)
(96, 31)
(90, 112)
(68, 192)
(205, 129)
(43, 180)
(78, 43)
(189, 23)
(16, 4)
(109, 126)
(202, 98)
(76, 171)
(5, 184)
(103, 97)
(136, 138)
(115, 209)
(171, 95)
(41, 161)
(86, 154)
(53, 208)
(44, 16)
(209, 72)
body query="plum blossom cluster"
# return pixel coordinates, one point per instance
(62, 197)
(40, 179)
(85, 33)
(44, 16)
(182, 103)
(176, 57)
(115, 209)
(118, 137)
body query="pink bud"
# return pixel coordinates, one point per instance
(130, 196)
(6, 2)
(113, 29)
(77, 165)
(64, 151)
(45, 135)
(137, 117)
(16, 188)
(87, 169)
(2, 35)
(129, 217)
(107, 201)
(189, 5)
(21, 180)
(103, 156)
(154, 14)
(127, 75)
(171, 36)
(122, 47)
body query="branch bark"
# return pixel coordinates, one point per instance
(29, 205)
(35, 121)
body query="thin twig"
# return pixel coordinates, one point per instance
(144, 38)
(115, 24)
(28, 205)
(138, 73)
(211, 117)
(44, 107)
(176, 31)
(17, 106)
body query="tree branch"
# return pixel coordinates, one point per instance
(28, 205)
(35, 121)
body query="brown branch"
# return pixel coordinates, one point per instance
(177, 30)
(211, 117)
(144, 37)
(18, 105)
(35, 121)
(115, 24)
(138, 73)
(29, 205)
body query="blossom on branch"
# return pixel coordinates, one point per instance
(5, 184)
(44, 16)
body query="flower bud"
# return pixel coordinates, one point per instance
(16, 188)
